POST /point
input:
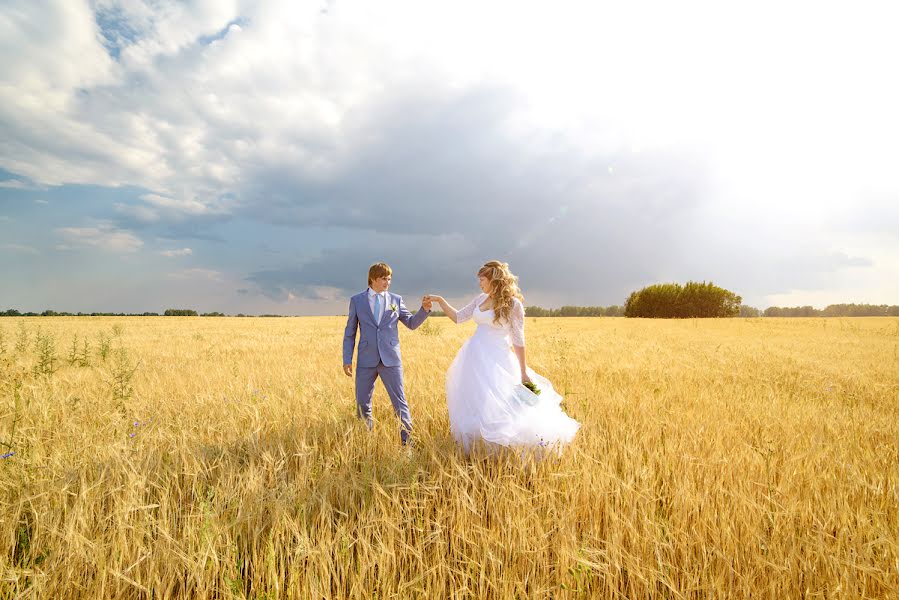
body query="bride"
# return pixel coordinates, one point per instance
(484, 384)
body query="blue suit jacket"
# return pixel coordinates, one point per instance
(377, 341)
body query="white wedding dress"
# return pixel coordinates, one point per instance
(481, 389)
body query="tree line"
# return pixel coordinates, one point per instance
(834, 310)
(171, 312)
(574, 311)
(658, 301)
(52, 313)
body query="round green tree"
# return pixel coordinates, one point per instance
(676, 301)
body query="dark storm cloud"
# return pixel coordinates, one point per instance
(417, 165)
(421, 264)
(444, 186)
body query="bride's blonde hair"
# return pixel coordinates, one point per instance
(503, 288)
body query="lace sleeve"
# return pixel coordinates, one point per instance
(516, 322)
(465, 313)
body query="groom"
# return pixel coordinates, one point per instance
(376, 313)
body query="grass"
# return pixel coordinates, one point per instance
(220, 458)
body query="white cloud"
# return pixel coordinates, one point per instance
(20, 249)
(321, 292)
(162, 29)
(138, 212)
(158, 208)
(104, 236)
(174, 253)
(17, 184)
(186, 206)
(52, 57)
(198, 274)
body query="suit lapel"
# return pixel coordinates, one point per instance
(388, 310)
(385, 317)
(364, 300)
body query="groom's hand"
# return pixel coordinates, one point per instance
(427, 303)
(348, 369)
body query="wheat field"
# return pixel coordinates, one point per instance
(221, 458)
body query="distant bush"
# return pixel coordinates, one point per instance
(834, 310)
(180, 312)
(52, 313)
(795, 311)
(749, 311)
(574, 311)
(675, 301)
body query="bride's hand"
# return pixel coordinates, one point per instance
(525, 378)
(435, 298)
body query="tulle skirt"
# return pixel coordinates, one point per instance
(484, 407)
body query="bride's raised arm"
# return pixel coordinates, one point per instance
(457, 316)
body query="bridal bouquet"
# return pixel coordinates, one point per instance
(527, 393)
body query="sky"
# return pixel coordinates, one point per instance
(258, 156)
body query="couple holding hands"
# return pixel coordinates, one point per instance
(486, 396)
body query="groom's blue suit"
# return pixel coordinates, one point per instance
(379, 353)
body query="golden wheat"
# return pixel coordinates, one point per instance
(220, 458)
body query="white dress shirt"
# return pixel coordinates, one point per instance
(371, 303)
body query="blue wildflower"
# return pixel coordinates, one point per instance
(7, 455)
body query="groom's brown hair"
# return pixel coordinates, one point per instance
(378, 270)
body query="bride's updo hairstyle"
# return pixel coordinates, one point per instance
(503, 288)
